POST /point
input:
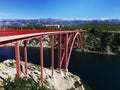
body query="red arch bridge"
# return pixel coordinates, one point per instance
(65, 39)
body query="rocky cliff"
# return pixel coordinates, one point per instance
(103, 42)
(60, 81)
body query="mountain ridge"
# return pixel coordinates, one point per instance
(62, 22)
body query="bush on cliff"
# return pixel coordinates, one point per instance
(22, 84)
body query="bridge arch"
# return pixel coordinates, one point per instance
(77, 36)
(69, 41)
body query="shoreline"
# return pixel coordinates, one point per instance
(95, 52)
(79, 50)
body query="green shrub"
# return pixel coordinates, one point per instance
(22, 84)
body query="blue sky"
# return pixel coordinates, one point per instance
(67, 9)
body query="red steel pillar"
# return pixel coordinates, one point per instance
(41, 60)
(52, 52)
(25, 57)
(17, 54)
(81, 39)
(59, 50)
(78, 42)
(66, 51)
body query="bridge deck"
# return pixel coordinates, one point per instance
(7, 35)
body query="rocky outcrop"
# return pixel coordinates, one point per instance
(60, 81)
(35, 42)
(102, 42)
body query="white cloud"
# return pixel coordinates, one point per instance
(105, 19)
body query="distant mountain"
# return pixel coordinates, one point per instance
(39, 22)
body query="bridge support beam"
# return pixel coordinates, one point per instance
(59, 50)
(17, 54)
(66, 51)
(25, 58)
(82, 39)
(41, 61)
(52, 52)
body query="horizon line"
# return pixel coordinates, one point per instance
(62, 18)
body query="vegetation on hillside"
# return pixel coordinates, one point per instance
(30, 27)
(98, 27)
(22, 84)
(97, 36)
(102, 41)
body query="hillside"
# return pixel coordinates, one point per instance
(60, 81)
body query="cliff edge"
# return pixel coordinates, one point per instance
(60, 81)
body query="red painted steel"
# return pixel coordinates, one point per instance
(20, 32)
(78, 44)
(59, 50)
(66, 51)
(69, 41)
(68, 59)
(67, 38)
(52, 51)
(41, 60)
(17, 52)
(25, 57)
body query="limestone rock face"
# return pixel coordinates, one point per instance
(60, 81)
